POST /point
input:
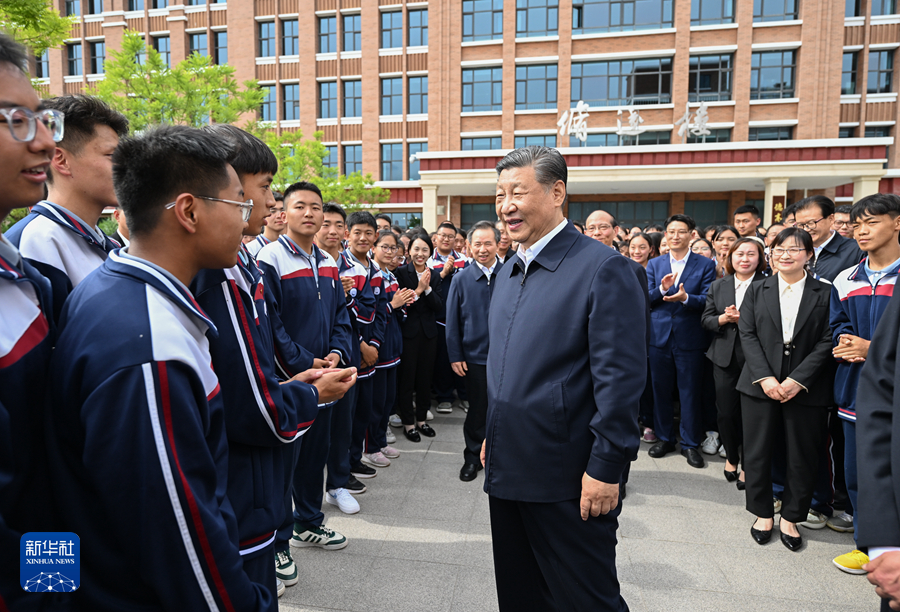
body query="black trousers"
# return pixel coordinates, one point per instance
(473, 429)
(804, 433)
(414, 374)
(547, 559)
(728, 403)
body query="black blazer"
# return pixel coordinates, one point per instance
(725, 342)
(421, 314)
(763, 344)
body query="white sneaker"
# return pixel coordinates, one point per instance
(710, 445)
(279, 587)
(343, 500)
(390, 452)
(376, 459)
(389, 436)
(464, 404)
(722, 453)
(429, 416)
(445, 407)
(814, 520)
(394, 421)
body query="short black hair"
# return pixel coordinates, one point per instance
(83, 115)
(874, 205)
(844, 209)
(446, 225)
(825, 205)
(687, 220)
(801, 235)
(397, 229)
(424, 238)
(747, 208)
(251, 155)
(361, 217)
(385, 234)
(726, 228)
(790, 210)
(303, 186)
(279, 197)
(384, 217)
(654, 228)
(579, 225)
(13, 52)
(484, 225)
(460, 232)
(151, 170)
(331, 207)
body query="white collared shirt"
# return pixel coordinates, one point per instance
(789, 297)
(487, 271)
(740, 289)
(819, 248)
(528, 255)
(677, 266)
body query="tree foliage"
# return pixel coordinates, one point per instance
(35, 23)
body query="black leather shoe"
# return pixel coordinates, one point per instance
(760, 537)
(426, 430)
(468, 472)
(412, 435)
(741, 485)
(730, 476)
(661, 449)
(791, 543)
(693, 456)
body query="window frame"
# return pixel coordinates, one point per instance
(784, 92)
(97, 61)
(269, 105)
(696, 72)
(326, 41)
(495, 87)
(290, 40)
(355, 33)
(472, 16)
(540, 140)
(620, 16)
(394, 98)
(754, 132)
(422, 29)
(356, 100)
(352, 159)
(197, 35)
(851, 80)
(760, 16)
(290, 102)
(394, 33)
(526, 77)
(267, 45)
(878, 71)
(389, 167)
(473, 140)
(412, 170)
(417, 101)
(524, 15)
(75, 60)
(663, 72)
(331, 100)
(724, 6)
(220, 51)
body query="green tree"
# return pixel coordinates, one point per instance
(35, 23)
(194, 92)
(13, 216)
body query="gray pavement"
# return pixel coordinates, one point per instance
(422, 542)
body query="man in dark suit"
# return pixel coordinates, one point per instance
(678, 284)
(562, 415)
(121, 234)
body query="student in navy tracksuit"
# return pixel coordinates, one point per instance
(60, 236)
(309, 297)
(136, 429)
(446, 261)
(273, 228)
(467, 335)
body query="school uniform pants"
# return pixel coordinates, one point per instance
(728, 404)
(415, 372)
(309, 473)
(365, 407)
(260, 568)
(473, 428)
(850, 472)
(338, 473)
(386, 389)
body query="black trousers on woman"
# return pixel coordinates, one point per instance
(414, 374)
(728, 404)
(804, 434)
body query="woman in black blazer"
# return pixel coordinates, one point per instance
(420, 332)
(786, 384)
(744, 263)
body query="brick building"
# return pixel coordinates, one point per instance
(801, 95)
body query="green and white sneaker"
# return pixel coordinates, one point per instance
(285, 570)
(322, 536)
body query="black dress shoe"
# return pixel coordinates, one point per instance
(741, 485)
(468, 472)
(426, 430)
(693, 456)
(730, 476)
(661, 449)
(412, 435)
(791, 543)
(759, 536)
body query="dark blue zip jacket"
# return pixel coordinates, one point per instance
(468, 304)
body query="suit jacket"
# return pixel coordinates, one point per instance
(725, 342)
(421, 315)
(118, 238)
(680, 320)
(562, 397)
(761, 339)
(836, 256)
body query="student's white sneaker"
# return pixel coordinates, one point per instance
(710, 445)
(464, 404)
(390, 452)
(445, 407)
(389, 436)
(376, 459)
(279, 587)
(394, 421)
(343, 500)
(429, 416)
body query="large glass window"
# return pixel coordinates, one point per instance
(537, 18)
(95, 7)
(848, 74)
(418, 28)
(880, 131)
(327, 35)
(881, 70)
(163, 46)
(538, 141)
(328, 100)
(221, 52)
(771, 133)
(290, 37)
(596, 16)
(774, 10)
(268, 110)
(42, 65)
(707, 212)
(482, 89)
(851, 8)
(482, 20)
(406, 220)
(98, 57)
(772, 75)
(74, 56)
(352, 159)
(197, 44)
(846, 132)
(135, 5)
(709, 78)
(160, 3)
(884, 7)
(392, 162)
(623, 82)
(711, 12)
(482, 143)
(418, 95)
(332, 160)
(470, 214)
(267, 39)
(626, 213)
(391, 30)
(536, 87)
(352, 33)
(415, 147)
(352, 98)
(611, 139)
(720, 135)
(392, 96)
(73, 7)
(291, 98)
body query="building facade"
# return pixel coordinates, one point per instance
(796, 96)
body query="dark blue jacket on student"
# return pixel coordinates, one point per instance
(392, 347)
(369, 306)
(680, 320)
(467, 314)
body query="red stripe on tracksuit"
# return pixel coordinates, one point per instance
(33, 336)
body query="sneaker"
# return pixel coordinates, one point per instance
(362, 471)
(445, 407)
(322, 536)
(376, 459)
(710, 446)
(464, 404)
(354, 486)
(279, 587)
(842, 523)
(777, 504)
(429, 416)
(389, 436)
(722, 453)
(649, 435)
(852, 562)
(390, 452)
(394, 421)
(814, 520)
(285, 570)
(343, 500)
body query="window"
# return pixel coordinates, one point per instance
(470, 214)
(418, 28)
(73, 7)
(352, 98)
(328, 100)
(332, 160)
(160, 3)
(197, 2)
(628, 213)
(268, 111)
(42, 65)
(774, 10)
(95, 7)
(482, 90)
(135, 5)
(647, 138)
(623, 82)
(881, 131)
(772, 75)
(352, 33)
(709, 79)
(711, 12)
(392, 96)
(327, 35)
(290, 37)
(721, 135)
(352, 159)
(771, 133)
(198, 44)
(848, 74)
(846, 132)
(597, 16)
(221, 53)
(536, 18)
(162, 44)
(884, 7)
(418, 96)
(851, 8)
(98, 56)
(610, 139)
(484, 143)
(406, 220)
(415, 147)
(538, 141)
(291, 98)
(707, 212)
(536, 87)
(392, 162)
(881, 69)
(391, 30)
(267, 39)
(74, 55)
(482, 20)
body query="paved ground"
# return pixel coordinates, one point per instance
(422, 542)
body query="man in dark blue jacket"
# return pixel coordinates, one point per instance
(562, 399)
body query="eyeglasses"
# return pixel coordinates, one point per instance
(793, 251)
(603, 227)
(678, 232)
(388, 249)
(808, 225)
(842, 224)
(246, 206)
(447, 236)
(22, 122)
(702, 249)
